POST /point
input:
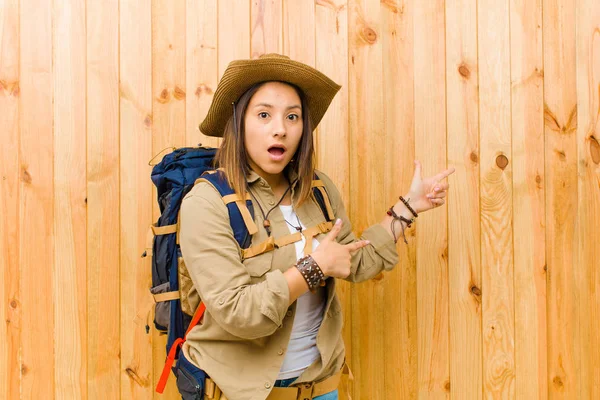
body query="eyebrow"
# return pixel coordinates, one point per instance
(270, 106)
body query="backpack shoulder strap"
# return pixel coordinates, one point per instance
(322, 198)
(241, 213)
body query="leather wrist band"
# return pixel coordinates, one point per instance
(311, 272)
(395, 217)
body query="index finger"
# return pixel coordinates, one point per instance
(335, 230)
(445, 174)
(357, 245)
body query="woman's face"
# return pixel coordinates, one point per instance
(273, 128)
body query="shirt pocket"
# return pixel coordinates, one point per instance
(259, 265)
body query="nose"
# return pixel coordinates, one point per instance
(279, 128)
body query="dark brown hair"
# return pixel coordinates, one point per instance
(233, 158)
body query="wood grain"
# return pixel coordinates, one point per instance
(70, 210)
(400, 286)
(36, 199)
(201, 67)
(299, 30)
(560, 118)
(168, 126)
(464, 233)
(103, 236)
(331, 52)
(431, 239)
(10, 296)
(587, 276)
(366, 163)
(496, 200)
(135, 126)
(496, 295)
(266, 27)
(233, 32)
(527, 85)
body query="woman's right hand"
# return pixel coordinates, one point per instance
(333, 258)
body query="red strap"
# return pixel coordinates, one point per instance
(164, 377)
(197, 316)
(162, 382)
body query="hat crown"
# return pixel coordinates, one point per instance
(273, 56)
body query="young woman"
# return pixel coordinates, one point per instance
(273, 322)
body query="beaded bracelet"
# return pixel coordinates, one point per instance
(311, 272)
(408, 206)
(400, 218)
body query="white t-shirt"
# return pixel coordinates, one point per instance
(302, 349)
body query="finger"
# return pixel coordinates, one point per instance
(335, 230)
(437, 202)
(357, 245)
(437, 195)
(417, 169)
(445, 174)
(440, 187)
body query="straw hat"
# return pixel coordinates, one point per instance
(240, 75)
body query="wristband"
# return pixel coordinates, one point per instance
(311, 272)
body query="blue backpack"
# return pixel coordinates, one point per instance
(174, 177)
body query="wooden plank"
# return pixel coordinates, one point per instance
(266, 27)
(201, 67)
(464, 258)
(431, 240)
(233, 32)
(331, 52)
(103, 237)
(135, 125)
(10, 297)
(299, 38)
(168, 115)
(588, 210)
(366, 163)
(560, 115)
(299, 30)
(527, 82)
(70, 211)
(400, 287)
(36, 237)
(496, 199)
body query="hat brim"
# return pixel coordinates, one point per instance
(240, 75)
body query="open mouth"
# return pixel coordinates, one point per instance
(277, 151)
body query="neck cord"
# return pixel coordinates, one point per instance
(266, 222)
(299, 227)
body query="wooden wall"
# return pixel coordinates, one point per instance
(497, 294)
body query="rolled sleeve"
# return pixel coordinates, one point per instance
(381, 254)
(212, 257)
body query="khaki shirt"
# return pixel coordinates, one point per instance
(246, 328)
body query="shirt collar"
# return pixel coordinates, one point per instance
(290, 173)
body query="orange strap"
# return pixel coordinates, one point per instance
(234, 198)
(321, 188)
(311, 232)
(164, 376)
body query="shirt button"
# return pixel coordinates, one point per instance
(271, 202)
(268, 385)
(289, 313)
(221, 301)
(280, 352)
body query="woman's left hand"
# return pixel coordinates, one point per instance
(428, 193)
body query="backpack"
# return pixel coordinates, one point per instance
(174, 177)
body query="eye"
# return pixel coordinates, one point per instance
(263, 115)
(293, 117)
